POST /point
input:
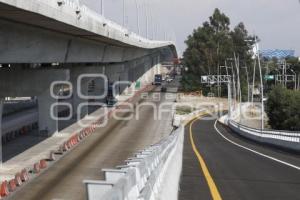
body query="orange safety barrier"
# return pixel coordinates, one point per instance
(4, 189)
(43, 164)
(24, 175)
(18, 179)
(12, 185)
(36, 168)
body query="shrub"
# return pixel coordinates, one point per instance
(283, 109)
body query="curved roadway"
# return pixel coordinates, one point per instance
(229, 167)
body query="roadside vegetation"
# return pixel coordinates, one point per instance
(283, 109)
(183, 110)
(212, 45)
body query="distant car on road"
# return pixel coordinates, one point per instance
(111, 101)
(157, 79)
(169, 80)
(110, 98)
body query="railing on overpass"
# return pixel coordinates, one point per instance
(142, 175)
(284, 139)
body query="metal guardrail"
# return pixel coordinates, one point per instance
(285, 139)
(142, 175)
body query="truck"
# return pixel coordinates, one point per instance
(157, 79)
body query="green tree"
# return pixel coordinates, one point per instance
(210, 45)
(283, 109)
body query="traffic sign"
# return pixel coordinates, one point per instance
(269, 77)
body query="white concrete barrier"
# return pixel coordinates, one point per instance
(284, 139)
(151, 174)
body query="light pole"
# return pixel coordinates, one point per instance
(247, 82)
(253, 81)
(152, 21)
(137, 17)
(237, 66)
(124, 13)
(295, 80)
(277, 76)
(102, 7)
(233, 81)
(229, 91)
(147, 20)
(299, 82)
(261, 86)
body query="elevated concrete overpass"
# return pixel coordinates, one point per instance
(59, 40)
(36, 31)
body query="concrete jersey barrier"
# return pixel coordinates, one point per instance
(143, 175)
(283, 139)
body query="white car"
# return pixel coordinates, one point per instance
(169, 80)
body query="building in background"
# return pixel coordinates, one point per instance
(277, 53)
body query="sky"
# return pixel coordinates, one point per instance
(276, 22)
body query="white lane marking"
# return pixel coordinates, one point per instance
(256, 152)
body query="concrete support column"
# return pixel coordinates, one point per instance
(47, 124)
(1, 111)
(77, 100)
(99, 89)
(158, 65)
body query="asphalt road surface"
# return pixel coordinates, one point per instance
(222, 165)
(106, 148)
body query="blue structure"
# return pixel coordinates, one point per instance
(277, 53)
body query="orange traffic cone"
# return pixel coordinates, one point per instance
(43, 164)
(4, 189)
(12, 185)
(24, 175)
(36, 168)
(18, 179)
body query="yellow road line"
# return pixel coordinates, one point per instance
(211, 184)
